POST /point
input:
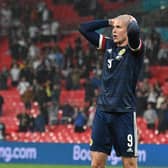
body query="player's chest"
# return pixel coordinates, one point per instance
(114, 57)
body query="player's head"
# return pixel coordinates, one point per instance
(120, 29)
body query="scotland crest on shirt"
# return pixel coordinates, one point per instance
(120, 54)
(113, 57)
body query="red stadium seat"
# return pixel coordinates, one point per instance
(76, 97)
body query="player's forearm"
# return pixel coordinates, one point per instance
(88, 30)
(93, 25)
(133, 32)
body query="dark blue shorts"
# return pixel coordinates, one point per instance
(116, 130)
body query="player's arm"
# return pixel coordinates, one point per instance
(133, 31)
(88, 30)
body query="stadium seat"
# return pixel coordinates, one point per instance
(76, 97)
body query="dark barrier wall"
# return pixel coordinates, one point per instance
(73, 154)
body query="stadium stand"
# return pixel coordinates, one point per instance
(83, 83)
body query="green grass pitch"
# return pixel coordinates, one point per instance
(51, 166)
(40, 166)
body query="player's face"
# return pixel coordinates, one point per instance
(119, 32)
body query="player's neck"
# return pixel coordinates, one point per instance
(122, 44)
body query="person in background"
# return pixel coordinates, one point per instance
(151, 117)
(1, 105)
(80, 121)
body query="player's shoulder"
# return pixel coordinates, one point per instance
(108, 42)
(105, 42)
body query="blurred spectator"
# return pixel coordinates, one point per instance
(45, 32)
(163, 56)
(36, 62)
(28, 97)
(16, 9)
(54, 24)
(152, 95)
(151, 117)
(68, 56)
(51, 55)
(80, 121)
(52, 109)
(23, 86)
(78, 46)
(6, 18)
(41, 72)
(160, 100)
(34, 17)
(55, 93)
(144, 86)
(75, 75)
(2, 131)
(15, 74)
(33, 51)
(14, 47)
(145, 71)
(4, 78)
(45, 14)
(47, 86)
(68, 113)
(141, 103)
(57, 76)
(27, 72)
(41, 97)
(40, 8)
(39, 123)
(22, 48)
(73, 80)
(1, 105)
(163, 117)
(148, 46)
(59, 57)
(68, 82)
(33, 32)
(24, 121)
(155, 37)
(26, 15)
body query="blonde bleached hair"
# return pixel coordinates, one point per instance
(124, 18)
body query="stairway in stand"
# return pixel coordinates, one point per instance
(5, 57)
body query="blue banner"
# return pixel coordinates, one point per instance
(74, 154)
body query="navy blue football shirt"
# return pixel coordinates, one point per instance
(121, 67)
